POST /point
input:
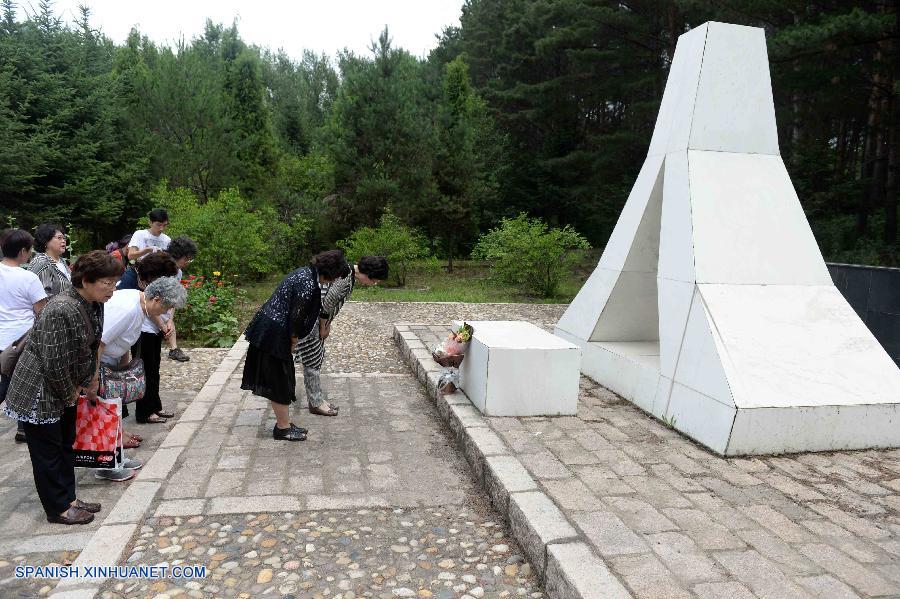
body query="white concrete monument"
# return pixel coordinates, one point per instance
(514, 368)
(711, 307)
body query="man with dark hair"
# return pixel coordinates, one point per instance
(152, 239)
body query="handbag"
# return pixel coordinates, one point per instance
(10, 356)
(129, 382)
(98, 433)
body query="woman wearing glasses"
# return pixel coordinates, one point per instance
(59, 361)
(48, 263)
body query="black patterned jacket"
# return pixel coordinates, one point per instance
(58, 359)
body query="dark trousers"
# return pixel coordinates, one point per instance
(53, 461)
(4, 387)
(150, 353)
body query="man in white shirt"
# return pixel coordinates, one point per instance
(150, 240)
(22, 296)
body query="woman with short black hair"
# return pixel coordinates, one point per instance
(286, 317)
(59, 361)
(21, 297)
(48, 263)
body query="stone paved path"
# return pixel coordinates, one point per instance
(26, 537)
(375, 503)
(673, 520)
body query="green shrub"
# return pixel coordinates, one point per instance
(209, 317)
(400, 244)
(231, 236)
(526, 252)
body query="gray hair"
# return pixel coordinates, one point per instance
(169, 290)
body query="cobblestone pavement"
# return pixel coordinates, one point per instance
(364, 507)
(674, 520)
(438, 553)
(26, 537)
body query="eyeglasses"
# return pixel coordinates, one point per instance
(107, 283)
(60, 236)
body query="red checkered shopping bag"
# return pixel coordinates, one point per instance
(98, 433)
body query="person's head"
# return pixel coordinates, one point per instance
(50, 238)
(183, 250)
(154, 266)
(95, 275)
(159, 220)
(163, 294)
(371, 270)
(16, 245)
(330, 265)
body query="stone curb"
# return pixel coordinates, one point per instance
(106, 545)
(568, 567)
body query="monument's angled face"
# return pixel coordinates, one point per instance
(711, 307)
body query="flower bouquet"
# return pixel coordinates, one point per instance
(450, 354)
(451, 351)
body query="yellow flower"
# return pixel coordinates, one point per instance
(216, 273)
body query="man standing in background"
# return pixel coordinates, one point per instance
(146, 241)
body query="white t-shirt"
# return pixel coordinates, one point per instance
(64, 268)
(143, 239)
(20, 290)
(123, 318)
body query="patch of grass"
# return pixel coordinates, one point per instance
(255, 295)
(470, 282)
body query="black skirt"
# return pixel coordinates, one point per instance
(269, 377)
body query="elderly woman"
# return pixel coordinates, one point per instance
(21, 297)
(59, 361)
(149, 344)
(311, 350)
(286, 317)
(183, 250)
(124, 316)
(47, 263)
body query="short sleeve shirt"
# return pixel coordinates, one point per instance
(20, 290)
(122, 321)
(143, 239)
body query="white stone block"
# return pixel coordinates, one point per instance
(822, 428)
(676, 237)
(748, 225)
(799, 346)
(700, 417)
(673, 123)
(514, 368)
(734, 111)
(674, 304)
(702, 362)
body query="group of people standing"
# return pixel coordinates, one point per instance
(72, 329)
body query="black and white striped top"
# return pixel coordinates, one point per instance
(311, 349)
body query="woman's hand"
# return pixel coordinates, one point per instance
(294, 341)
(90, 392)
(324, 329)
